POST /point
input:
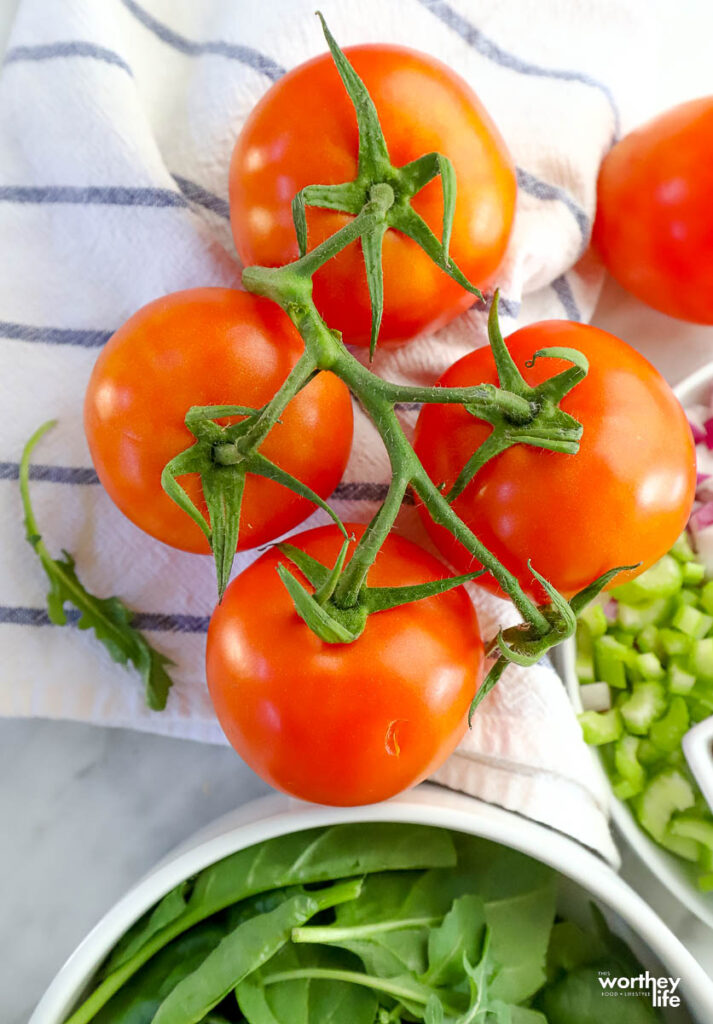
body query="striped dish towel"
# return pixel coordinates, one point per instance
(117, 122)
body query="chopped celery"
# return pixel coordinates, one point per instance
(682, 550)
(680, 681)
(693, 572)
(687, 596)
(609, 660)
(667, 732)
(663, 579)
(700, 659)
(624, 637)
(673, 642)
(594, 618)
(648, 640)
(691, 827)
(706, 598)
(665, 794)
(649, 666)
(625, 789)
(595, 696)
(649, 755)
(646, 703)
(691, 621)
(600, 726)
(584, 667)
(705, 882)
(654, 613)
(626, 760)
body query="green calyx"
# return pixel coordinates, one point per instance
(379, 181)
(339, 624)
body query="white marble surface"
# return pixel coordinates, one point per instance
(85, 811)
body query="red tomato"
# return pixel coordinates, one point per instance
(343, 723)
(209, 346)
(624, 498)
(304, 132)
(654, 224)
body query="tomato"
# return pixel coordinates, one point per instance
(209, 346)
(654, 224)
(624, 498)
(343, 723)
(304, 132)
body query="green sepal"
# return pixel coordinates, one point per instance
(223, 488)
(380, 599)
(324, 625)
(406, 220)
(260, 466)
(316, 573)
(580, 601)
(108, 617)
(509, 376)
(492, 678)
(371, 246)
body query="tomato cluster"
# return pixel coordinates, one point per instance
(356, 722)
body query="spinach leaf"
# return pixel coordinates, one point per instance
(571, 947)
(243, 950)
(456, 942)
(171, 906)
(299, 858)
(388, 926)
(306, 1000)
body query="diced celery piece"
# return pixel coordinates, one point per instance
(635, 618)
(624, 637)
(682, 550)
(691, 621)
(584, 667)
(699, 709)
(625, 789)
(674, 642)
(687, 849)
(647, 640)
(609, 660)
(595, 620)
(692, 827)
(688, 597)
(680, 681)
(705, 860)
(595, 696)
(700, 660)
(692, 572)
(705, 598)
(665, 794)
(649, 666)
(627, 762)
(663, 579)
(705, 882)
(649, 755)
(668, 731)
(645, 704)
(601, 727)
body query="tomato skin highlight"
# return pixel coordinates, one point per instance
(343, 724)
(624, 498)
(209, 346)
(304, 132)
(654, 223)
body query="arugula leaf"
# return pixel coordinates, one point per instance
(315, 855)
(242, 951)
(458, 941)
(306, 1000)
(108, 617)
(578, 998)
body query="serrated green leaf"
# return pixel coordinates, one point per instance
(108, 617)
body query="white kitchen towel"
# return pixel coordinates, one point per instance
(117, 121)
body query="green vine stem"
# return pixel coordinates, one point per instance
(379, 199)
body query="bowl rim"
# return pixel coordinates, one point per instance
(428, 804)
(668, 869)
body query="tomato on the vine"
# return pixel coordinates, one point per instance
(304, 132)
(209, 346)
(345, 723)
(624, 498)
(654, 223)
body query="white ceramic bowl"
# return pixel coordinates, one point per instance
(586, 877)
(671, 871)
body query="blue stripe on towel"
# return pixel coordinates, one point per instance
(563, 291)
(544, 190)
(104, 195)
(195, 193)
(148, 621)
(69, 48)
(491, 51)
(86, 338)
(234, 51)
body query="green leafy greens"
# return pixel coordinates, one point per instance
(365, 923)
